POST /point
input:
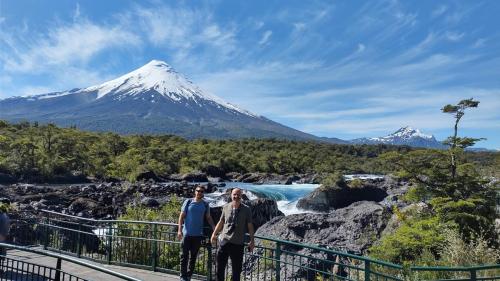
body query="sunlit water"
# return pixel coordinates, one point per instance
(286, 196)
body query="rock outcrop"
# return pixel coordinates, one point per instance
(352, 229)
(263, 209)
(387, 191)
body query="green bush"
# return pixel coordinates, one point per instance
(409, 241)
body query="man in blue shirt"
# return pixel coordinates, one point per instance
(190, 230)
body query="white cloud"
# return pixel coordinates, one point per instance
(181, 30)
(454, 36)
(75, 43)
(76, 15)
(265, 37)
(361, 48)
(259, 25)
(439, 11)
(479, 43)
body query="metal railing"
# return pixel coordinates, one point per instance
(17, 269)
(154, 246)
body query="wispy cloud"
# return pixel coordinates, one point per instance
(438, 11)
(265, 37)
(77, 42)
(185, 30)
(454, 36)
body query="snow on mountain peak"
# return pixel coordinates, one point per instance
(160, 77)
(408, 132)
(404, 133)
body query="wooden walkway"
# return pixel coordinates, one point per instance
(82, 271)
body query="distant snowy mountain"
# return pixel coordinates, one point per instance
(404, 136)
(153, 99)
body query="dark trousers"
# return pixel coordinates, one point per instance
(233, 251)
(190, 247)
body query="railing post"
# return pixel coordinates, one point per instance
(155, 247)
(209, 260)
(57, 277)
(473, 275)
(78, 242)
(278, 260)
(46, 236)
(110, 242)
(367, 270)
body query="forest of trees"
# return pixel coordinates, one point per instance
(41, 153)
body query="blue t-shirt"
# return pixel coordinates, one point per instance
(195, 213)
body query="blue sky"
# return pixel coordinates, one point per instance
(343, 69)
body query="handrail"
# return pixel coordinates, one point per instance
(366, 260)
(455, 268)
(109, 221)
(314, 247)
(72, 260)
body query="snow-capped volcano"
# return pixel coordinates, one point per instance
(151, 99)
(404, 136)
(405, 133)
(161, 78)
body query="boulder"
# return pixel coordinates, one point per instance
(263, 210)
(342, 195)
(146, 176)
(7, 178)
(82, 204)
(352, 229)
(213, 171)
(190, 177)
(150, 202)
(232, 176)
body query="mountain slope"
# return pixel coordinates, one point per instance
(404, 136)
(152, 99)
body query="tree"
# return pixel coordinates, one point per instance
(454, 141)
(457, 193)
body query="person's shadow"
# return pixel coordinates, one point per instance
(20, 276)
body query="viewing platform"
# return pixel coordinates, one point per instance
(54, 246)
(36, 264)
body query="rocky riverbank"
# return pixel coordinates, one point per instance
(351, 218)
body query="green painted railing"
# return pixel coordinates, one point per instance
(154, 246)
(18, 269)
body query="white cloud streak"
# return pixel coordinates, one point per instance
(265, 37)
(63, 45)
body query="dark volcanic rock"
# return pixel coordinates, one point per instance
(353, 228)
(213, 171)
(7, 178)
(263, 210)
(150, 202)
(324, 198)
(267, 178)
(190, 177)
(145, 176)
(82, 204)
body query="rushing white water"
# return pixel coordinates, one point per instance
(286, 196)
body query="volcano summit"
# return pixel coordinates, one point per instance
(154, 99)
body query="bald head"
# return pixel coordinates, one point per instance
(236, 196)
